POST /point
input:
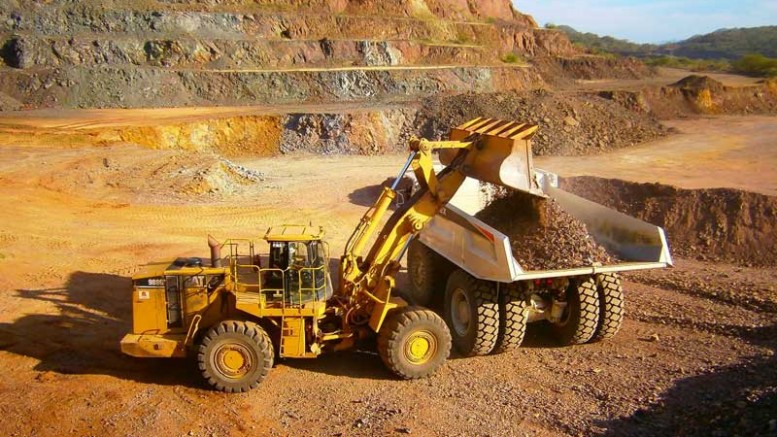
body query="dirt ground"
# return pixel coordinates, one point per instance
(665, 76)
(690, 360)
(728, 152)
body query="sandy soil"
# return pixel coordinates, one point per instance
(684, 363)
(665, 76)
(75, 119)
(731, 152)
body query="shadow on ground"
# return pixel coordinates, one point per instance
(365, 196)
(361, 364)
(739, 399)
(94, 311)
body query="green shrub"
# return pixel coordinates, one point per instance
(512, 58)
(756, 65)
(689, 64)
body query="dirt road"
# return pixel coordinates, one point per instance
(732, 152)
(78, 220)
(665, 76)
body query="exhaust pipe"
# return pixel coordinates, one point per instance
(215, 252)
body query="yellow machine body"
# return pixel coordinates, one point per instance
(173, 301)
(289, 292)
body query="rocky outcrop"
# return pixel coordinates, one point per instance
(110, 53)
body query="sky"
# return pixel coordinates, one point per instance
(646, 21)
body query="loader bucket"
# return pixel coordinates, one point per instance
(504, 155)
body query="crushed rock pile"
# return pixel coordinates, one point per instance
(153, 176)
(569, 124)
(719, 224)
(542, 234)
(222, 176)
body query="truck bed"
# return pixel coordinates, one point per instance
(485, 252)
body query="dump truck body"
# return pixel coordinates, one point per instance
(484, 252)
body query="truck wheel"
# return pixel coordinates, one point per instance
(472, 313)
(513, 318)
(235, 356)
(611, 302)
(427, 271)
(581, 317)
(414, 342)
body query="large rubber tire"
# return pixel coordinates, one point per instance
(428, 272)
(414, 342)
(235, 356)
(611, 306)
(513, 318)
(581, 317)
(472, 313)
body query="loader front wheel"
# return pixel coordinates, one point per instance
(581, 316)
(235, 356)
(414, 342)
(472, 314)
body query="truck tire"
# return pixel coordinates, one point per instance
(472, 313)
(414, 342)
(428, 272)
(235, 356)
(513, 318)
(581, 317)
(611, 303)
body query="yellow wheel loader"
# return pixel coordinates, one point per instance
(240, 310)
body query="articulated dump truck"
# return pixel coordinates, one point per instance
(241, 310)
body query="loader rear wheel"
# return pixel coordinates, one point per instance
(472, 313)
(513, 318)
(414, 342)
(427, 271)
(581, 316)
(235, 356)
(611, 302)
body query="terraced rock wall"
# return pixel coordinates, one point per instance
(169, 53)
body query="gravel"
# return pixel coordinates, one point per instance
(543, 235)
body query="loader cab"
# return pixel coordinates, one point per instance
(297, 264)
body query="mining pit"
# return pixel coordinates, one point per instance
(130, 131)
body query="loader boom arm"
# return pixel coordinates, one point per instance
(368, 281)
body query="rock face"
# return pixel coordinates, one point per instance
(109, 53)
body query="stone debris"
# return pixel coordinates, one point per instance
(542, 234)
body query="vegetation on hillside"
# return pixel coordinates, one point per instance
(729, 44)
(750, 51)
(605, 44)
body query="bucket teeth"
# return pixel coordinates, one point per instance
(505, 155)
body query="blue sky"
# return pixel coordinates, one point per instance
(651, 21)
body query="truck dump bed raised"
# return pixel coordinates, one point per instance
(485, 252)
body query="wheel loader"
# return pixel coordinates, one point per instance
(240, 310)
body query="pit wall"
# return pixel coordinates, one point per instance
(132, 88)
(701, 96)
(450, 10)
(362, 132)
